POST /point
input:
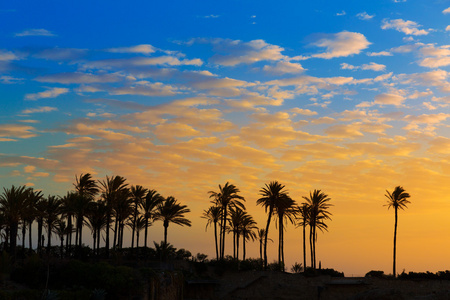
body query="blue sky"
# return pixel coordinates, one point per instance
(351, 97)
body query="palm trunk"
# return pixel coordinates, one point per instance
(234, 245)
(134, 227)
(29, 235)
(267, 234)
(395, 243)
(98, 241)
(24, 231)
(137, 239)
(49, 236)
(243, 247)
(108, 222)
(314, 246)
(81, 231)
(280, 240)
(260, 250)
(220, 238)
(62, 246)
(215, 239)
(145, 232)
(116, 225)
(237, 245)
(304, 246)
(13, 239)
(166, 225)
(222, 255)
(311, 245)
(94, 237)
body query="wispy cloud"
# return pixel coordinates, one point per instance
(142, 49)
(41, 109)
(35, 32)
(341, 44)
(49, 93)
(364, 16)
(407, 27)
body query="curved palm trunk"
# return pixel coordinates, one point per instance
(267, 234)
(215, 239)
(395, 243)
(260, 250)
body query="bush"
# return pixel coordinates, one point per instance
(297, 268)
(376, 274)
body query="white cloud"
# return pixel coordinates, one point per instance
(447, 28)
(39, 110)
(342, 13)
(35, 32)
(364, 16)
(342, 44)
(381, 53)
(142, 49)
(49, 93)
(374, 67)
(446, 11)
(7, 56)
(389, 99)
(284, 67)
(305, 112)
(407, 27)
(234, 52)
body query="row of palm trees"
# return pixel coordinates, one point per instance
(228, 214)
(106, 207)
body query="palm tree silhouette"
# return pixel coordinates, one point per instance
(285, 211)
(96, 217)
(52, 210)
(12, 203)
(225, 198)
(68, 203)
(138, 193)
(235, 226)
(248, 226)
(397, 199)
(303, 219)
(33, 197)
(169, 211)
(271, 194)
(111, 188)
(261, 238)
(139, 225)
(213, 215)
(318, 213)
(150, 203)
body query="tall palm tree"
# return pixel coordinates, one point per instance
(303, 219)
(32, 199)
(68, 207)
(248, 227)
(111, 189)
(226, 197)
(123, 210)
(96, 217)
(169, 211)
(271, 194)
(285, 211)
(235, 225)
(213, 215)
(40, 217)
(150, 203)
(397, 199)
(318, 203)
(139, 225)
(52, 210)
(87, 189)
(138, 193)
(12, 204)
(61, 229)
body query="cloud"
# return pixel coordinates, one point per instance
(364, 16)
(10, 80)
(141, 49)
(7, 56)
(35, 32)
(341, 44)
(284, 67)
(78, 77)
(389, 99)
(16, 131)
(235, 52)
(371, 66)
(301, 111)
(435, 57)
(381, 53)
(61, 53)
(49, 93)
(446, 11)
(447, 28)
(146, 89)
(40, 109)
(407, 27)
(342, 13)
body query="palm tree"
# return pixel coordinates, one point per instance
(285, 211)
(52, 210)
(271, 194)
(150, 203)
(138, 193)
(111, 188)
(248, 226)
(261, 238)
(61, 229)
(68, 206)
(87, 189)
(226, 198)
(398, 199)
(123, 210)
(235, 225)
(318, 213)
(169, 211)
(213, 215)
(139, 225)
(303, 219)
(12, 204)
(32, 199)
(96, 217)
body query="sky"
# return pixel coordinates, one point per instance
(349, 97)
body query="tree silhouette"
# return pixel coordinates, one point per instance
(138, 193)
(226, 197)
(52, 206)
(285, 211)
(303, 219)
(169, 211)
(150, 203)
(248, 227)
(213, 215)
(318, 213)
(397, 199)
(271, 194)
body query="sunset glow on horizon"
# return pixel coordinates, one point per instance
(348, 97)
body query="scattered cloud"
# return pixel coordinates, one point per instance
(49, 93)
(407, 27)
(341, 44)
(364, 16)
(446, 11)
(371, 66)
(40, 109)
(342, 13)
(381, 53)
(284, 67)
(12, 131)
(141, 49)
(35, 32)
